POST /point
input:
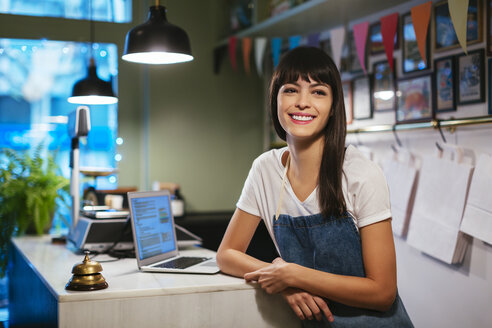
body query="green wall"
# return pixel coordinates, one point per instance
(205, 129)
(181, 123)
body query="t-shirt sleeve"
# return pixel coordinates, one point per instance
(372, 201)
(248, 201)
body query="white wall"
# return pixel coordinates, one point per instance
(437, 294)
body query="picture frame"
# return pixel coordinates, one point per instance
(490, 85)
(444, 84)
(414, 99)
(354, 66)
(383, 87)
(325, 45)
(471, 77)
(489, 27)
(375, 41)
(348, 101)
(361, 95)
(412, 60)
(345, 57)
(443, 33)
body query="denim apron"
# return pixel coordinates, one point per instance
(332, 244)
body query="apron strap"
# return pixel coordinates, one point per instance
(279, 203)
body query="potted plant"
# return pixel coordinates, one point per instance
(30, 186)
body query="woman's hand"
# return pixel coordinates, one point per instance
(273, 278)
(307, 306)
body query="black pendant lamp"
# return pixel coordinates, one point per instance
(92, 90)
(157, 41)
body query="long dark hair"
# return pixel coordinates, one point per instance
(313, 63)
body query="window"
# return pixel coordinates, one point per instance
(36, 78)
(117, 11)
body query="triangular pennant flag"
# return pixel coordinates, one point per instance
(458, 9)
(313, 40)
(276, 47)
(388, 31)
(420, 20)
(337, 37)
(260, 46)
(294, 41)
(360, 37)
(246, 54)
(232, 51)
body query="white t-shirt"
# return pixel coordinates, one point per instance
(363, 184)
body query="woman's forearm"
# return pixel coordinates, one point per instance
(349, 290)
(237, 263)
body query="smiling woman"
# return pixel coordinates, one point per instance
(326, 207)
(306, 103)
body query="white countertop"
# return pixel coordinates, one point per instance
(54, 263)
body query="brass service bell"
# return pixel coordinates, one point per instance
(87, 276)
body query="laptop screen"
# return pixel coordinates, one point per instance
(153, 225)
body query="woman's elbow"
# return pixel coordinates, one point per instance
(385, 299)
(221, 260)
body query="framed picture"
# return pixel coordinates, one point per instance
(412, 61)
(347, 99)
(325, 45)
(414, 99)
(489, 27)
(444, 80)
(383, 93)
(345, 56)
(490, 86)
(361, 95)
(444, 34)
(354, 65)
(471, 77)
(376, 45)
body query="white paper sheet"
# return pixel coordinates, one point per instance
(401, 175)
(477, 220)
(438, 209)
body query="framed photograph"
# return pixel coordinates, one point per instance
(412, 61)
(376, 45)
(444, 35)
(325, 45)
(471, 77)
(414, 99)
(490, 86)
(347, 99)
(345, 57)
(444, 80)
(383, 93)
(489, 27)
(354, 65)
(361, 95)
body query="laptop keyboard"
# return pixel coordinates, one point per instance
(182, 262)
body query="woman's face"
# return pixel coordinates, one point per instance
(304, 108)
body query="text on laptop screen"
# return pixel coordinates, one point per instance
(153, 225)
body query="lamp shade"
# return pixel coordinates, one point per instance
(157, 41)
(92, 90)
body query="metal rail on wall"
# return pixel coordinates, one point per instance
(451, 124)
(436, 124)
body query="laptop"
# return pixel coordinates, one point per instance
(154, 236)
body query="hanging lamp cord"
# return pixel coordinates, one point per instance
(92, 36)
